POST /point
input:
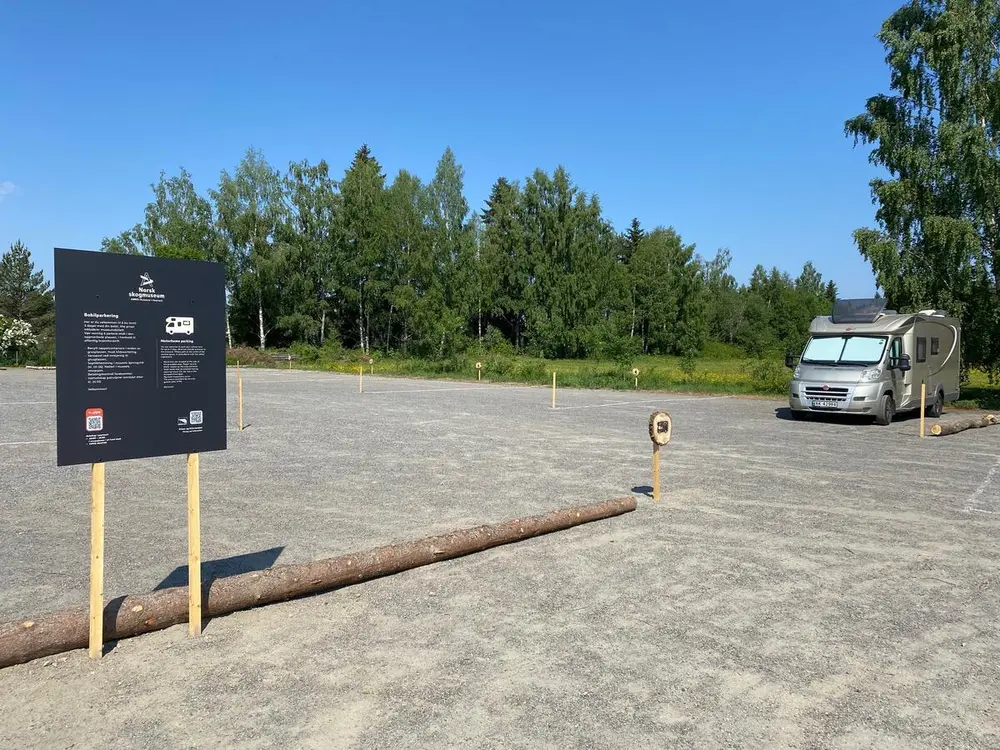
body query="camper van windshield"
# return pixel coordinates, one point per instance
(844, 350)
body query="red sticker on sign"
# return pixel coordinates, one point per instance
(95, 420)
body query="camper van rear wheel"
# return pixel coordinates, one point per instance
(937, 406)
(886, 410)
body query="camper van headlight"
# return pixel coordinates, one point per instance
(796, 373)
(872, 374)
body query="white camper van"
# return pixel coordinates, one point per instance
(865, 359)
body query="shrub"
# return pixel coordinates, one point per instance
(245, 355)
(305, 352)
(767, 375)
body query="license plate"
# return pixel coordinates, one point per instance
(825, 404)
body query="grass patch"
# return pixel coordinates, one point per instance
(725, 374)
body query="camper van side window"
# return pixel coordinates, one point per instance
(935, 347)
(921, 349)
(894, 352)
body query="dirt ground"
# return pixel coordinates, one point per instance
(815, 584)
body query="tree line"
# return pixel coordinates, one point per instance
(405, 266)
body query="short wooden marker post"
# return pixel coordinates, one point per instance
(372, 363)
(553, 389)
(660, 428)
(479, 371)
(923, 406)
(656, 473)
(194, 545)
(635, 374)
(239, 393)
(96, 560)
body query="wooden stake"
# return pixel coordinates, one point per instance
(923, 406)
(361, 379)
(553, 389)
(637, 382)
(194, 545)
(96, 560)
(239, 392)
(656, 473)
(479, 374)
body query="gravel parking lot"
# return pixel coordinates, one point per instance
(803, 584)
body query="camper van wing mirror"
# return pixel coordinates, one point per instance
(790, 360)
(903, 363)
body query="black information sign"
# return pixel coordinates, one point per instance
(140, 357)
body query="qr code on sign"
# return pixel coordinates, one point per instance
(196, 417)
(95, 424)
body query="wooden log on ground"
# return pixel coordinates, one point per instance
(950, 428)
(124, 617)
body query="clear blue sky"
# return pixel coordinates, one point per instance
(723, 120)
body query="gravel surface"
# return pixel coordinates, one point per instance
(814, 584)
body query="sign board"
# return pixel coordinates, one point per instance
(140, 357)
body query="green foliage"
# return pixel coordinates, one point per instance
(938, 136)
(407, 269)
(28, 308)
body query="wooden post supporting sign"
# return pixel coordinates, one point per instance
(656, 473)
(660, 428)
(553, 389)
(194, 544)
(361, 379)
(923, 406)
(239, 393)
(96, 560)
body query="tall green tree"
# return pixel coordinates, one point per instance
(312, 264)
(454, 254)
(668, 284)
(251, 209)
(937, 134)
(20, 283)
(26, 298)
(362, 232)
(178, 223)
(504, 264)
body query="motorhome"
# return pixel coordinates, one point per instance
(866, 360)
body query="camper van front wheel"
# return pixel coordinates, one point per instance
(886, 411)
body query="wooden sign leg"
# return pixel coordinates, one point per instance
(96, 560)
(361, 379)
(239, 393)
(656, 473)
(553, 389)
(194, 545)
(923, 407)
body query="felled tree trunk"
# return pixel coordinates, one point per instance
(950, 428)
(128, 616)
